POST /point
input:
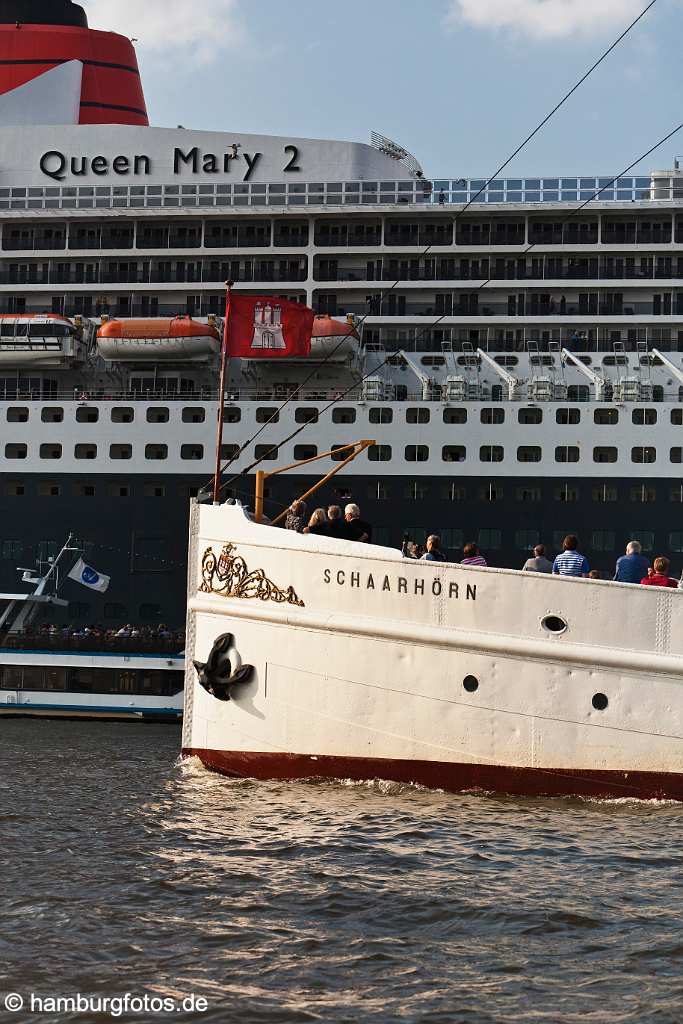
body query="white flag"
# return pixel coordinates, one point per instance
(89, 577)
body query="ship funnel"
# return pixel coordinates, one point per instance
(42, 12)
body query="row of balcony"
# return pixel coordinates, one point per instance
(295, 271)
(264, 233)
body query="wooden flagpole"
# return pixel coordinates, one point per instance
(225, 359)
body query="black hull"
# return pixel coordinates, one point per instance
(141, 540)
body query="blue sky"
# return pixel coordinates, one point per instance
(458, 82)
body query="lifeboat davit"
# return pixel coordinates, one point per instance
(179, 340)
(333, 336)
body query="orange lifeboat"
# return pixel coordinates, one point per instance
(333, 336)
(181, 339)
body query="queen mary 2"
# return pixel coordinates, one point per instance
(514, 349)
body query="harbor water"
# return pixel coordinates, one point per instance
(127, 873)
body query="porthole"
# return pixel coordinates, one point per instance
(555, 625)
(471, 684)
(600, 702)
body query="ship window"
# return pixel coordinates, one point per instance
(677, 417)
(528, 494)
(305, 451)
(86, 415)
(491, 453)
(52, 414)
(530, 417)
(10, 550)
(416, 453)
(266, 452)
(344, 415)
(120, 451)
(491, 493)
(112, 610)
(454, 492)
(455, 416)
(339, 452)
(676, 494)
(526, 540)
(676, 455)
(644, 417)
(156, 451)
(568, 496)
(416, 491)
(453, 453)
(566, 453)
(154, 491)
(306, 415)
(85, 451)
(378, 416)
(48, 490)
(230, 452)
(122, 414)
(51, 451)
(645, 538)
(605, 495)
(418, 415)
(16, 451)
(85, 490)
(568, 417)
(603, 540)
(268, 414)
(118, 491)
(15, 490)
(192, 452)
(643, 455)
(676, 542)
(150, 612)
(18, 414)
(379, 453)
(528, 453)
(606, 417)
(643, 495)
(492, 416)
(194, 415)
(157, 414)
(601, 454)
(489, 539)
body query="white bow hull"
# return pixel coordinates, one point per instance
(378, 667)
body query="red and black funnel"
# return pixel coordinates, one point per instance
(37, 36)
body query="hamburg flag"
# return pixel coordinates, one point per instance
(265, 327)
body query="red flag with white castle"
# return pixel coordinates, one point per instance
(265, 327)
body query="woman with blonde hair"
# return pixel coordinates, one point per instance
(318, 523)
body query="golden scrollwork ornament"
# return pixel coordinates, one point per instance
(229, 576)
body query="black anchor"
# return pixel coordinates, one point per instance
(216, 675)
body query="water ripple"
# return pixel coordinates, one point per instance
(126, 870)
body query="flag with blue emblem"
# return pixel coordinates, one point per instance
(89, 577)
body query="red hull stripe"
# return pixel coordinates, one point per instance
(114, 106)
(455, 778)
(52, 61)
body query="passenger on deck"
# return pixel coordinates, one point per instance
(296, 517)
(571, 562)
(594, 574)
(539, 563)
(356, 528)
(473, 556)
(336, 527)
(318, 523)
(434, 552)
(632, 566)
(660, 577)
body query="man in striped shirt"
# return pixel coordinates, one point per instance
(571, 562)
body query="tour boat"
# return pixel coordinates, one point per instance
(310, 657)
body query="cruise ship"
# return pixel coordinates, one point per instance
(513, 348)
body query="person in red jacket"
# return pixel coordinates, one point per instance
(660, 577)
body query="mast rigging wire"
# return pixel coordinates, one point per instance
(276, 414)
